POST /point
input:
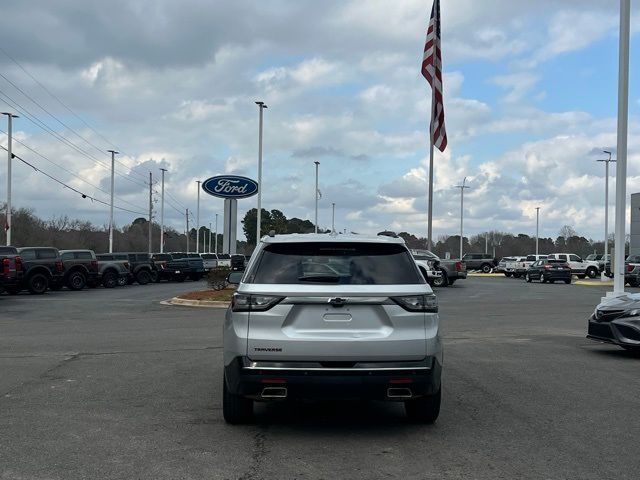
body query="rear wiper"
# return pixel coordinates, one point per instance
(319, 278)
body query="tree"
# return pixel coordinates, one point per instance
(566, 232)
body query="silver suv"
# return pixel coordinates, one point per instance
(322, 316)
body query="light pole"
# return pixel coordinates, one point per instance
(606, 161)
(261, 106)
(113, 169)
(537, 228)
(187, 217)
(7, 226)
(333, 218)
(462, 187)
(162, 213)
(150, 208)
(317, 164)
(216, 235)
(209, 249)
(198, 220)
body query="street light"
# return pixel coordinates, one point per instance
(198, 219)
(606, 161)
(262, 106)
(317, 194)
(537, 228)
(113, 169)
(7, 226)
(333, 218)
(462, 187)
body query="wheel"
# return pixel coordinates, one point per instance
(567, 281)
(527, 277)
(508, 274)
(592, 272)
(452, 281)
(179, 278)
(155, 276)
(38, 283)
(516, 275)
(424, 409)
(542, 279)
(109, 280)
(441, 281)
(486, 268)
(235, 409)
(221, 285)
(143, 277)
(580, 276)
(76, 281)
(122, 281)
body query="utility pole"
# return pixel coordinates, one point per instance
(333, 218)
(162, 213)
(187, 214)
(486, 243)
(621, 150)
(198, 220)
(317, 193)
(150, 208)
(7, 226)
(462, 187)
(606, 161)
(261, 106)
(113, 169)
(216, 234)
(537, 229)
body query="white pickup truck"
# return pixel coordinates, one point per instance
(581, 268)
(513, 266)
(523, 266)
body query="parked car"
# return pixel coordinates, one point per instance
(42, 267)
(80, 268)
(579, 267)
(237, 262)
(549, 271)
(224, 260)
(195, 264)
(430, 269)
(113, 273)
(210, 261)
(10, 270)
(617, 320)
(632, 270)
(332, 316)
(502, 266)
(514, 267)
(452, 270)
(479, 261)
(142, 268)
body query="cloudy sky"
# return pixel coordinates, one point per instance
(530, 102)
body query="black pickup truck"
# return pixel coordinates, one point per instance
(10, 270)
(195, 262)
(143, 268)
(178, 266)
(80, 268)
(42, 269)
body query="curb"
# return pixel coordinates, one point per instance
(485, 275)
(183, 302)
(593, 283)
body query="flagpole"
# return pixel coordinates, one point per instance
(430, 194)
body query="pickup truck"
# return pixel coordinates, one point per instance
(10, 270)
(80, 268)
(430, 270)
(521, 267)
(581, 268)
(452, 270)
(210, 261)
(43, 269)
(479, 261)
(195, 263)
(141, 266)
(513, 266)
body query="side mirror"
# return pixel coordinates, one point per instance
(234, 278)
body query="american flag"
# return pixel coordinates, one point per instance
(432, 71)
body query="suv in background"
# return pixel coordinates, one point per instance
(237, 262)
(479, 261)
(579, 267)
(80, 268)
(332, 316)
(42, 267)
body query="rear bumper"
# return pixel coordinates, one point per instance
(457, 275)
(620, 332)
(312, 380)
(557, 275)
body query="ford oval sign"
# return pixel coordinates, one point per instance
(230, 186)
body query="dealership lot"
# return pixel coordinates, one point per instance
(112, 384)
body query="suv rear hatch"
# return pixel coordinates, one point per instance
(335, 302)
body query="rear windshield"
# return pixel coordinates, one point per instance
(335, 263)
(162, 256)
(209, 256)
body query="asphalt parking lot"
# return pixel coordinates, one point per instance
(112, 384)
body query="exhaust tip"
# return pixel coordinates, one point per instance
(274, 392)
(399, 393)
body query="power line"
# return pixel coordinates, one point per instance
(84, 195)
(33, 150)
(39, 123)
(65, 106)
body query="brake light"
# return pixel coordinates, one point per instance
(458, 266)
(253, 303)
(418, 303)
(18, 261)
(630, 268)
(94, 264)
(59, 266)
(5, 266)
(548, 267)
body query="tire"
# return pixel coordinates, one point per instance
(441, 281)
(76, 281)
(38, 283)
(179, 278)
(568, 282)
(425, 409)
(592, 272)
(235, 409)
(542, 279)
(123, 281)
(143, 277)
(155, 276)
(109, 280)
(508, 274)
(516, 275)
(580, 276)
(527, 277)
(486, 268)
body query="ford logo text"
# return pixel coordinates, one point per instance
(230, 186)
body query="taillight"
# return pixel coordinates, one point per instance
(18, 261)
(418, 303)
(5, 266)
(630, 268)
(94, 264)
(253, 303)
(548, 267)
(458, 266)
(59, 266)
